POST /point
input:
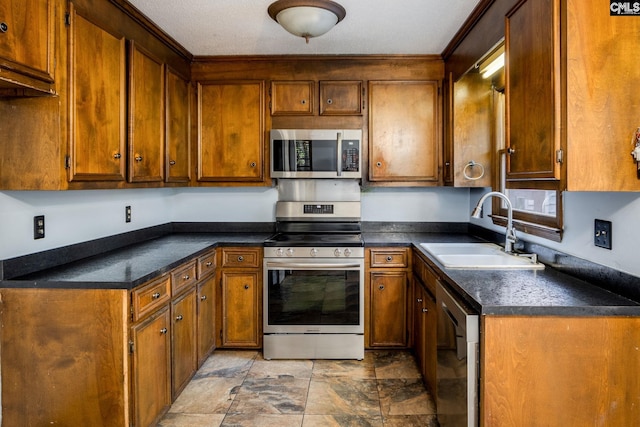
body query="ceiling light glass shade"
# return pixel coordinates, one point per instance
(306, 18)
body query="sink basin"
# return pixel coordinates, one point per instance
(477, 255)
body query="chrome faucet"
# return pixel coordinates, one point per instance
(510, 235)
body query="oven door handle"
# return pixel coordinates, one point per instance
(294, 265)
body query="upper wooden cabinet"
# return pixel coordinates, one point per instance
(97, 104)
(231, 131)
(146, 116)
(337, 98)
(404, 131)
(27, 40)
(292, 97)
(341, 98)
(178, 129)
(568, 126)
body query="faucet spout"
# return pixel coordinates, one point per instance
(510, 234)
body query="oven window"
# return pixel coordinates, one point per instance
(313, 297)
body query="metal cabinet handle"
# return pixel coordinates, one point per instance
(179, 317)
(185, 277)
(172, 162)
(511, 150)
(209, 264)
(329, 101)
(117, 155)
(424, 310)
(163, 331)
(419, 299)
(156, 295)
(203, 298)
(246, 286)
(379, 164)
(389, 258)
(138, 158)
(303, 101)
(252, 164)
(3, 27)
(381, 287)
(240, 258)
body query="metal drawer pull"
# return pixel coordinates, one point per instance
(424, 310)
(246, 286)
(329, 101)
(163, 330)
(203, 297)
(156, 295)
(240, 258)
(179, 317)
(381, 287)
(3, 27)
(389, 258)
(185, 277)
(252, 164)
(138, 158)
(117, 155)
(419, 299)
(172, 162)
(209, 264)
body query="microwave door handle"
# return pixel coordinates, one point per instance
(339, 162)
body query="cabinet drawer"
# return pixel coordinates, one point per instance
(183, 277)
(150, 296)
(240, 257)
(390, 258)
(206, 265)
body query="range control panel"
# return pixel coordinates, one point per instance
(318, 209)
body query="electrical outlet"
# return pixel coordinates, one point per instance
(602, 234)
(38, 227)
(127, 214)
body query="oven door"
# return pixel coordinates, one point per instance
(313, 296)
(320, 153)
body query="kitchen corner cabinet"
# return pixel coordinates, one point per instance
(146, 116)
(404, 132)
(27, 41)
(572, 370)
(240, 308)
(387, 291)
(98, 102)
(231, 135)
(425, 323)
(576, 132)
(178, 127)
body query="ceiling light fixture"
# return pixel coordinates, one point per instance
(307, 18)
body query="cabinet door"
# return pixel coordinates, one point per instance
(206, 319)
(231, 131)
(340, 98)
(146, 116)
(26, 43)
(533, 88)
(430, 333)
(151, 367)
(97, 128)
(240, 309)
(404, 131)
(292, 98)
(388, 308)
(183, 343)
(178, 132)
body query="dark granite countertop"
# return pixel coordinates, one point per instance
(491, 292)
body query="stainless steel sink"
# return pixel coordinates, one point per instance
(479, 256)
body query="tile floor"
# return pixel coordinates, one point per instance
(240, 388)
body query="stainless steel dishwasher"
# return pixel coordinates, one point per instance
(458, 354)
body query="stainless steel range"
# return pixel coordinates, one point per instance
(314, 273)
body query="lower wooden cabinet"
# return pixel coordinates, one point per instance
(425, 320)
(184, 348)
(387, 283)
(151, 367)
(240, 320)
(206, 318)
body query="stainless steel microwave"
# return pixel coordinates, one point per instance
(316, 153)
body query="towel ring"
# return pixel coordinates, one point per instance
(469, 165)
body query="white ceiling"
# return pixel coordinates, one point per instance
(243, 27)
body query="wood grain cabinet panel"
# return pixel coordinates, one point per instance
(206, 318)
(341, 98)
(27, 40)
(404, 131)
(146, 116)
(97, 127)
(292, 97)
(178, 127)
(231, 131)
(184, 351)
